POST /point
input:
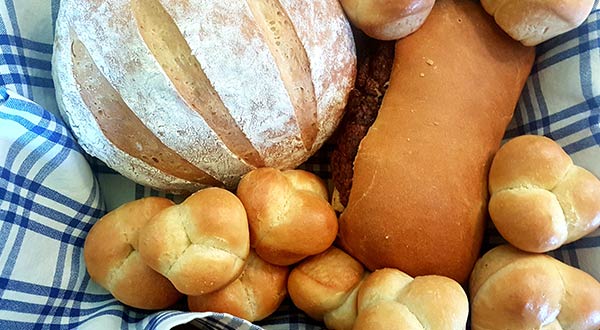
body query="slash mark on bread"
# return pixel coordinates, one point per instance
(172, 52)
(292, 60)
(121, 126)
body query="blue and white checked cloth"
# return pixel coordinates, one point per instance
(50, 197)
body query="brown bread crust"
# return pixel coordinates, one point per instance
(419, 193)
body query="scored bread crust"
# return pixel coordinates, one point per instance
(245, 71)
(418, 197)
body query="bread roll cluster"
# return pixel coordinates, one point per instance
(539, 199)
(201, 244)
(335, 288)
(150, 252)
(256, 294)
(289, 214)
(325, 287)
(514, 290)
(113, 260)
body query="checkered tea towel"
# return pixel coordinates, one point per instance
(49, 197)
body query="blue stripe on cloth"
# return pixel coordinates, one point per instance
(35, 289)
(573, 259)
(26, 166)
(566, 54)
(588, 242)
(13, 40)
(153, 322)
(541, 105)
(52, 306)
(20, 79)
(213, 324)
(34, 63)
(35, 227)
(56, 137)
(24, 79)
(41, 148)
(522, 128)
(585, 72)
(50, 193)
(33, 157)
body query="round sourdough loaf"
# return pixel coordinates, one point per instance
(180, 95)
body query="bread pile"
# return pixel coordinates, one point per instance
(423, 172)
(226, 253)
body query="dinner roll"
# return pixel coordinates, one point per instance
(200, 245)
(390, 299)
(385, 19)
(515, 290)
(539, 199)
(256, 294)
(289, 214)
(535, 21)
(325, 287)
(112, 258)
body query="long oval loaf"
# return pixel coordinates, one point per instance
(179, 95)
(419, 191)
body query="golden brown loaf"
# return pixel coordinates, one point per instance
(387, 20)
(200, 245)
(325, 287)
(535, 21)
(113, 261)
(183, 94)
(419, 191)
(515, 290)
(540, 200)
(390, 299)
(256, 294)
(289, 214)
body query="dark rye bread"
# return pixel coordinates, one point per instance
(202, 92)
(374, 67)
